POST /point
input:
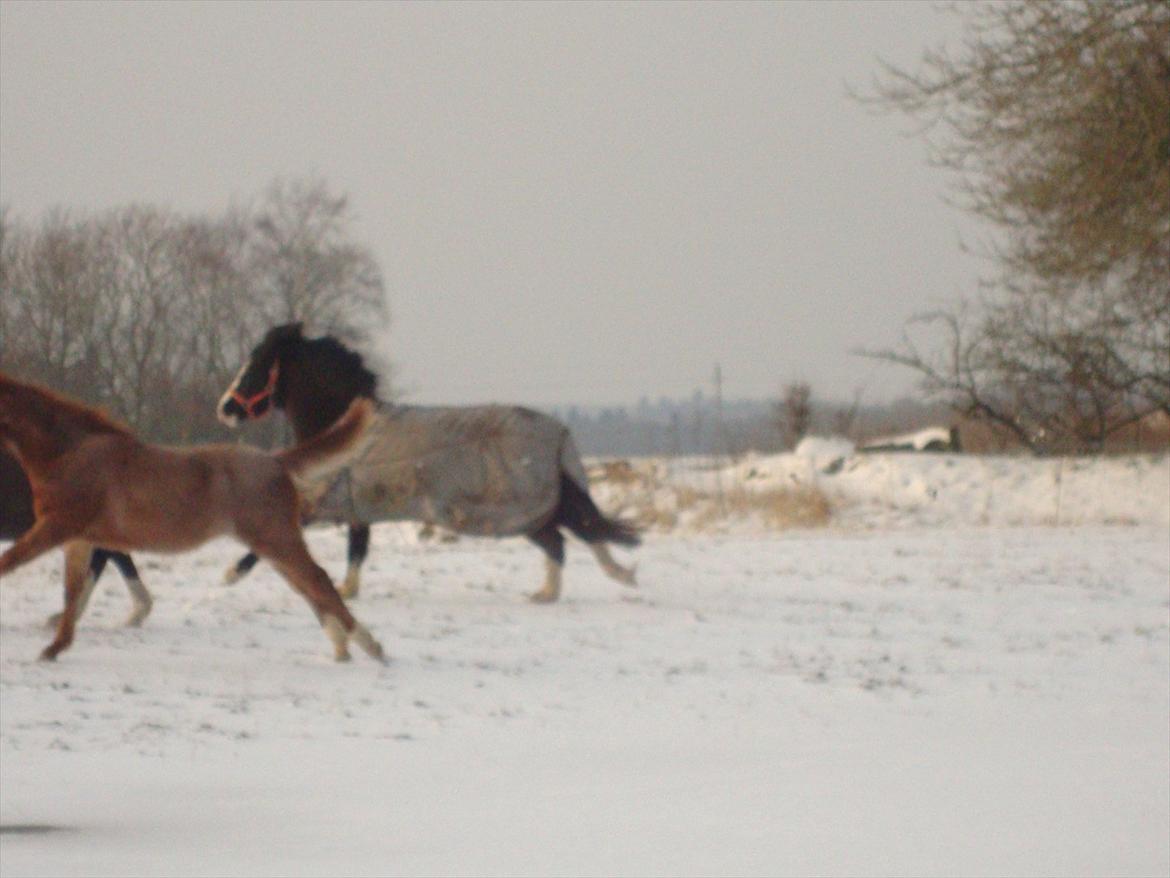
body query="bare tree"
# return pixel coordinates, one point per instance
(302, 264)
(793, 413)
(49, 311)
(149, 313)
(1054, 119)
(845, 417)
(1043, 371)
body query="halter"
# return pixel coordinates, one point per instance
(248, 403)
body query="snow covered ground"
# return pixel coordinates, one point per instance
(895, 694)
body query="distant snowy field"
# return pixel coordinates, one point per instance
(966, 673)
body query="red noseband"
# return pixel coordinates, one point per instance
(249, 403)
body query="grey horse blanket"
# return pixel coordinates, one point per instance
(488, 470)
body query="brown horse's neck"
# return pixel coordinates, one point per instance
(41, 425)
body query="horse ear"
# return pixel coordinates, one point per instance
(284, 332)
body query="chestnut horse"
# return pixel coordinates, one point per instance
(16, 516)
(95, 483)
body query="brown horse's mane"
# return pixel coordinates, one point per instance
(42, 401)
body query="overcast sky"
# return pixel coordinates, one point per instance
(571, 203)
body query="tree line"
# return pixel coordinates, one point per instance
(150, 313)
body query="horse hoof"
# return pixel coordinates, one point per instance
(543, 597)
(365, 640)
(48, 654)
(138, 614)
(349, 588)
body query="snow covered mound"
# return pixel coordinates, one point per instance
(823, 449)
(883, 490)
(959, 490)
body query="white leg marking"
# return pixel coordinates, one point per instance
(624, 575)
(352, 584)
(552, 583)
(86, 590)
(366, 641)
(142, 602)
(337, 635)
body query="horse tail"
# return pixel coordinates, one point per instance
(331, 449)
(580, 514)
(570, 461)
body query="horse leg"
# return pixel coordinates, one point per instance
(138, 593)
(45, 534)
(77, 561)
(359, 547)
(577, 512)
(240, 569)
(97, 563)
(549, 538)
(292, 560)
(614, 570)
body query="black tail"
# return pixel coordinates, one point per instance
(580, 514)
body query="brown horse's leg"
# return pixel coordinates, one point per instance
(44, 535)
(54, 621)
(292, 560)
(77, 555)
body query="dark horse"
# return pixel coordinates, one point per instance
(95, 483)
(481, 470)
(16, 516)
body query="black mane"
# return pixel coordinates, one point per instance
(348, 362)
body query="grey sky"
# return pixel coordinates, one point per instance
(572, 203)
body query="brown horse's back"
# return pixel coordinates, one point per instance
(16, 508)
(171, 500)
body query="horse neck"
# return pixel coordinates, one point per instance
(50, 426)
(312, 400)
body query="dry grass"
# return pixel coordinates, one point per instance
(645, 496)
(801, 506)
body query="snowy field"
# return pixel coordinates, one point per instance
(890, 695)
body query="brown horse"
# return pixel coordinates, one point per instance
(16, 516)
(95, 483)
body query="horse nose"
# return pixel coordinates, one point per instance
(229, 412)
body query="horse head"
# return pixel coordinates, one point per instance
(255, 389)
(312, 380)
